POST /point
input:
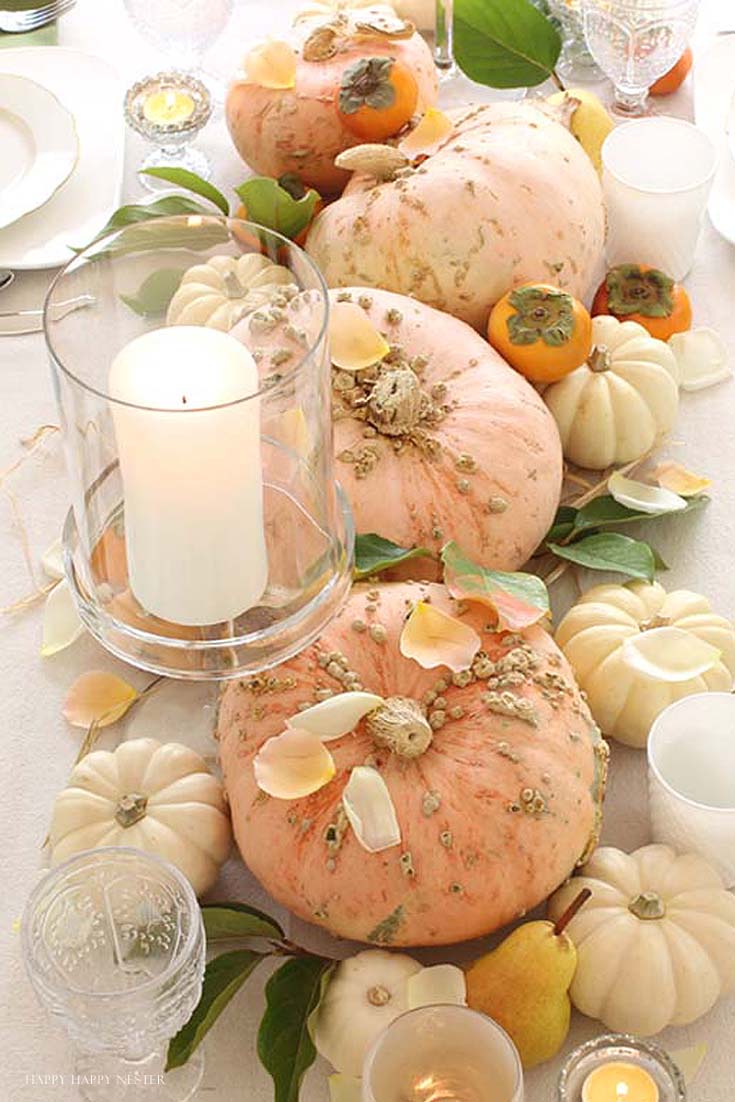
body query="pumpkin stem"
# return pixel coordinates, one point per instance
(563, 920)
(647, 905)
(657, 621)
(233, 286)
(378, 995)
(130, 809)
(599, 358)
(400, 725)
(394, 406)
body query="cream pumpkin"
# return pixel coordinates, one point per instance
(298, 129)
(496, 774)
(440, 440)
(623, 699)
(158, 797)
(509, 197)
(615, 407)
(224, 289)
(655, 942)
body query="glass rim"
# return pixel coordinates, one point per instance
(681, 124)
(54, 872)
(369, 1060)
(655, 733)
(287, 376)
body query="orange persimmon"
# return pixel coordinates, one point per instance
(675, 77)
(541, 331)
(638, 292)
(377, 96)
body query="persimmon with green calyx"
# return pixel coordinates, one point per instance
(376, 97)
(542, 332)
(638, 292)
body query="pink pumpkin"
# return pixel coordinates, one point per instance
(496, 775)
(280, 130)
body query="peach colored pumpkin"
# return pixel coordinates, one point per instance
(299, 129)
(494, 813)
(478, 459)
(510, 197)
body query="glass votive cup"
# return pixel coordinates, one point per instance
(620, 1048)
(657, 174)
(438, 1052)
(691, 779)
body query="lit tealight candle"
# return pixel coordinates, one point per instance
(619, 1082)
(168, 106)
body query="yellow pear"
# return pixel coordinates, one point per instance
(523, 985)
(590, 123)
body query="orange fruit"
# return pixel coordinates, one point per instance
(376, 97)
(638, 292)
(541, 331)
(675, 77)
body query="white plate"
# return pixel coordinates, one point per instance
(39, 143)
(714, 88)
(91, 91)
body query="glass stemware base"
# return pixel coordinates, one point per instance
(104, 1078)
(174, 157)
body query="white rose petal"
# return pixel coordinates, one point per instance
(369, 808)
(442, 983)
(336, 716)
(669, 654)
(643, 497)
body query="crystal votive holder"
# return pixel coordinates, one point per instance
(442, 1052)
(620, 1048)
(169, 109)
(207, 537)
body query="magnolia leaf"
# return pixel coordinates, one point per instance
(354, 342)
(152, 298)
(344, 1088)
(701, 355)
(642, 496)
(519, 599)
(61, 623)
(563, 525)
(669, 654)
(52, 560)
(673, 476)
(432, 638)
(98, 697)
(182, 177)
(223, 978)
(336, 716)
(433, 128)
(610, 551)
(285, 1047)
(293, 765)
(605, 512)
(270, 64)
(223, 921)
(373, 554)
(441, 983)
(164, 207)
(369, 807)
(272, 205)
(504, 43)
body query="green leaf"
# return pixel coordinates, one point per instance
(610, 551)
(271, 205)
(230, 920)
(563, 523)
(155, 292)
(285, 1048)
(164, 207)
(504, 43)
(223, 978)
(518, 599)
(605, 511)
(181, 177)
(658, 561)
(373, 553)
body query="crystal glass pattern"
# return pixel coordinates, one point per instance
(455, 88)
(182, 29)
(575, 63)
(621, 1047)
(113, 942)
(305, 526)
(635, 42)
(172, 139)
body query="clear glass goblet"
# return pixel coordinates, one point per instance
(635, 42)
(113, 943)
(455, 88)
(575, 63)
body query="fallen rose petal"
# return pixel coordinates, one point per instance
(98, 697)
(673, 476)
(344, 1088)
(643, 497)
(440, 983)
(702, 358)
(690, 1060)
(52, 560)
(432, 638)
(669, 654)
(519, 600)
(354, 342)
(426, 137)
(293, 765)
(272, 64)
(61, 623)
(369, 807)
(337, 716)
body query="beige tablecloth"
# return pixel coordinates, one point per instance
(39, 747)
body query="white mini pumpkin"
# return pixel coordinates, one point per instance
(616, 406)
(223, 290)
(656, 941)
(158, 797)
(624, 700)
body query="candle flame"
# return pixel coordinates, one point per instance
(622, 1090)
(170, 99)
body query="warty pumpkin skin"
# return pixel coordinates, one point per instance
(509, 197)
(494, 814)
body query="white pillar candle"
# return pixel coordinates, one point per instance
(189, 450)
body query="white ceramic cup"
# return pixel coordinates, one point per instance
(657, 174)
(691, 778)
(437, 1053)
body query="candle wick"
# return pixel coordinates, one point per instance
(183, 399)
